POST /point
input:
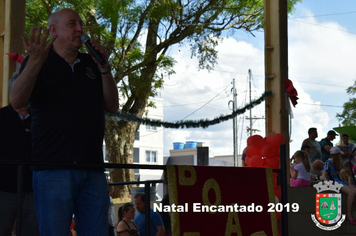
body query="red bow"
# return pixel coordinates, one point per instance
(15, 57)
(292, 92)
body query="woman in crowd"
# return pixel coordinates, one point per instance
(125, 226)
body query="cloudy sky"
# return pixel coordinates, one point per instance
(322, 39)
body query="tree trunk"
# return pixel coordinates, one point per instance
(120, 135)
(119, 140)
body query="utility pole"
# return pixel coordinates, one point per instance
(250, 129)
(234, 108)
(249, 89)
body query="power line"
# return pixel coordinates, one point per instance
(329, 14)
(307, 82)
(206, 103)
(324, 26)
(225, 71)
(187, 104)
(301, 81)
(192, 112)
(321, 105)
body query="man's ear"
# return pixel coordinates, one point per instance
(52, 30)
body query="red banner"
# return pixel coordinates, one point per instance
(207, 200)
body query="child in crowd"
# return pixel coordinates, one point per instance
(332, 168)
(346, 173)
(300, 170)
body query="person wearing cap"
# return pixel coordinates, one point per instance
(326, 145)
(332, 168)
(315, 149)
(346, 147)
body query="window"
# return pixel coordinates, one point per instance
(151, 127)
(137, 136)
(136, 159)
(136, 155)
(151, 156)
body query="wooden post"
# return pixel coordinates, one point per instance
(2, 39)
(12, 27)
(276, 68)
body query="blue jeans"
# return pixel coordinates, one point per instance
(61, 193)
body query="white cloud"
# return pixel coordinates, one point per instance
(321, 52)
(317, 55)
(194, 88)
(305, 117)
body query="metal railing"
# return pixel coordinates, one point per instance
(281, 180)
(21, 165)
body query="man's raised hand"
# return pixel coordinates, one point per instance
(38, 48)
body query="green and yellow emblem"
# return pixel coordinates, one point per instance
(328, 214)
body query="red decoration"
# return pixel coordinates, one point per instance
(275, 139)
(277, 191)
(256, 161)
(15, 57)
(247, 160)
(257, 141)
(249, 141)
(276, 151)
(291, 91)
(275, 182)
(252, 151)
(210, 187)
(272, 162)
(267, 151)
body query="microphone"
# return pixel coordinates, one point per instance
(86, 40)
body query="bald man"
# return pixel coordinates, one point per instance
(68, 93)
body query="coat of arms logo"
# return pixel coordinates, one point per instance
(90, 73)
(328, 206)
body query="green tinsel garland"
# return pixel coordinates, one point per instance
(203, 123)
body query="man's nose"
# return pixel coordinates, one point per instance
(79, 27)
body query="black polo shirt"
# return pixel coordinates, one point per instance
(67, 111)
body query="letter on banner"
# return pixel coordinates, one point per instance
(185, 180)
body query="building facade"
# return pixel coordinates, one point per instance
(148, 146)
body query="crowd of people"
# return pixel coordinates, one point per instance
(319, 153)
(322, 161)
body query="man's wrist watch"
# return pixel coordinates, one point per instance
(105, 72)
